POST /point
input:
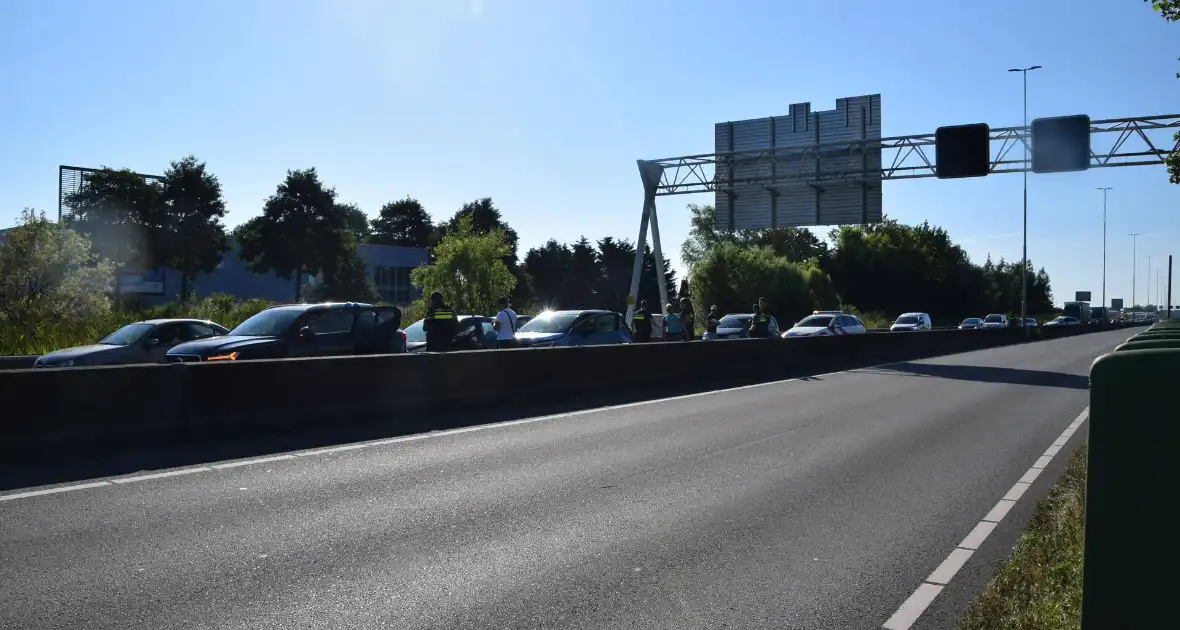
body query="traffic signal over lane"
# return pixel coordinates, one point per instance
(1060, 144)
(962, 151)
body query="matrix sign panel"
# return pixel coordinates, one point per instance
(962, 151)
(1081, 296)
(1116, 304)
(818, 175)
(1061, 144)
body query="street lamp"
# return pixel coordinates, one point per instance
(1104, 189)
(1134, 265)
(1024, 257)
(1149, 278)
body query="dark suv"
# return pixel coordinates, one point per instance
(302, 330)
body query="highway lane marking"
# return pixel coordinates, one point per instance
(912, 608)
(161, 475)
(38, 493)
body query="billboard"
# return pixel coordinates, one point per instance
(146, 282)
(803, 169)
(1116, 304)
(1081, 296)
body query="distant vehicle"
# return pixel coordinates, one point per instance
(1063, 321)
(825, 323)
(995, 320)
(737, 326)
(1077, 310)
(302, 330)
(1031, 322)
(971, 323)
(142, 342)
(476, 332)
(590, 327)
(912, 321)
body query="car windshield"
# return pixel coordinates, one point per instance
(994, 319)
(127, 335)
(815, 321)
(906, 319)
(972, 321)
(734, 321)
(550, 322)
(269, 323)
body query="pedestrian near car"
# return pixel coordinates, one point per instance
(687, 319)
(672, 324)
(712, 322)
(641, 323)
(759, 324)
(505, 325)
(441, 325)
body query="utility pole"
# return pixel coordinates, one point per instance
(1105, 306)
(1024, 257)
(1149, 277)
(1134, 265)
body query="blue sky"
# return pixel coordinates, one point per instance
(544, 105)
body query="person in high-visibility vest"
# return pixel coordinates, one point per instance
(641, 323)
(441, 325)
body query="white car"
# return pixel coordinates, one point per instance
(824, 323)
(995, 321)
(912, 321)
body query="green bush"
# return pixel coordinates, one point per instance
(733, 277)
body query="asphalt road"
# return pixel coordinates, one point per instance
(812, 504)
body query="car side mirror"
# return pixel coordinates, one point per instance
(306, 333)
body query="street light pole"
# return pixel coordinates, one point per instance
(1104, 189)
(1149, 278)
(1024, 257)
(1134, 265)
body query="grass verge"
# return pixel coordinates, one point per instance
(1041, 586)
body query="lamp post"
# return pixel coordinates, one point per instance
(1149, 298)
(1134, 266)
(1024, 258)
(1104, 189)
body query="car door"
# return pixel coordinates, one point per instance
(331, 334)
(599, 330)
(469, 335)
(489, 338)
(166, 336)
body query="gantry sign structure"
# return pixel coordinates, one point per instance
(788, 183)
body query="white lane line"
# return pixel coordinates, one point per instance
(161, 475)
(37, 493)
(251, 462)
(918, 601)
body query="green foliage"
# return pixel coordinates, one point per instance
(46, 335)
(122, 215)
(733, 276)
(1170, 11)
(50, 274)
(404, 222)
(468, 268)
(194, 237)
(302, 230)
(581, 275)
(795, 244)
(345, 278)
(356, 222)
(485, 217)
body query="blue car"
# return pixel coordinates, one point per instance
(573, 328)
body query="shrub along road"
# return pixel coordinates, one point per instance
(819, 503)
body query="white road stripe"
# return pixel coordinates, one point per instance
(918, 601)
(38, 493)
(161, 475)
(251, 462)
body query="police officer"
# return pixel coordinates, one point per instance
(641, 323)
(441, 325)
(759, 324)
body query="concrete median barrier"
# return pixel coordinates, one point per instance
(103, 408)
(18, 362)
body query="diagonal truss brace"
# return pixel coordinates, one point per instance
(1139, 141)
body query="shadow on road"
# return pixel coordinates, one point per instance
(987, 374)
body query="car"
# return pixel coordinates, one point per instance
(302, 330)
(971, 323)
(147, 341)
(912, 321)
(588, 327)
(1063, 320)
(737, 326)
(824, 323)
(994, 320)
(476, 332)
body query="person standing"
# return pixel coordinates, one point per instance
(771, 322)
(505, 325)
(672, 326)
(641, 323)
(441, 325)
(712, 323)
(759, 324)
(687, 319)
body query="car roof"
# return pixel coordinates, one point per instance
(580, 311)
(175, 320)
(305, 307)
(914, 314)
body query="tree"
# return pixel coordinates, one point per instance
(120, 212)
(733, 277)
(580, 289)
(1170, 11)
(485, 218)
(649, 288)
(300, 230)
(547, 267)
(345, 277)
(48, 273)
(616, 260)
(192, 210)
(468, 269)
(357, 222)
(404, 223)
(796, 244)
